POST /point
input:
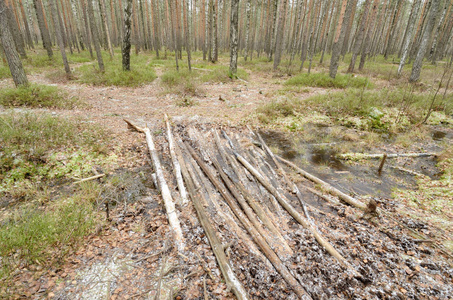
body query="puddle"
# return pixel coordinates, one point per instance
(324, 156)
(355, 179)
(438, 135)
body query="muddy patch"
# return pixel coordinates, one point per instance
(355, 178)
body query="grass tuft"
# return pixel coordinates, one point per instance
(181, 83)
(4, 72)
(141, 73)
(35, 95)
(324, 80)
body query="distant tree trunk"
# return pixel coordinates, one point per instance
(58, 30)
(126, 49)
(417, 66)
(281, 34)
(273, 31)
(436, 33)
(360, 34)
(391, 31)
(15, 31)
(366, 43)
(234, 26)
(247, 29)
(203, 28)
(330, 24)
(9, 49)
(346, 10)
(95, 35)
(155, 9)
(27, 28)
(408, 35)
(214, 34)
(173, 28)
(103, 11)
(187, 35)
(87, 28)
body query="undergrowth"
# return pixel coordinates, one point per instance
(324, 80)
(38, 148)
(4, 72)
(38, 236)
(35, 95)
(182, 82)
(141, 73)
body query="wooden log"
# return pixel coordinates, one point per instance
(176, 166)
(256, 235)
(327, 187)
(190, 171)
(265, 215)
(277, 241)
(284, 202)
(165, 191)
(358, 156)
(230, 278)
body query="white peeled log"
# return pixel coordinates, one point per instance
(176, 166)
(165, 191)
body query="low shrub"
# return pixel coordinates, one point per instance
(324, 80)
(35, 95)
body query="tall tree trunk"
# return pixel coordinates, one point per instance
(27, 28)
(366, 44)
(87, 27)
(408, 35)
(95, 35)
(346, 8)
(214, 33)
(155, 9)
(58, 30)
(274, 28)
(417, 66)
(7, 42)
(174, 28)
(247, 29)
(187, 35)
(15, 31)
(281, 34)
(45, 36)
(103, 11)
(360, 34)
(126, 48)
(234, 28)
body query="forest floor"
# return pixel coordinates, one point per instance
(405, 253)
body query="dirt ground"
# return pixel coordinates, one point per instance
(134, 255)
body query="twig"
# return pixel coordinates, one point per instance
(381, 166)
(89, 178)
(352, 156)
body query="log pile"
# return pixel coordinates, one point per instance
(260, 203)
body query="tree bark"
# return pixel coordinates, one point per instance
(106, 25)
(280, 35)
(234, 38)
(9, 49)
(408, 35)
(95, 35)
(339, 37)
(126, 49)
(58, 30)
(360, 34)
(417, 66)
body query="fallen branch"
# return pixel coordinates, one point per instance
(176, 166)
(89, 178)
(358, 156)
(327, 187)
(230, 278)
(165, 191)
(252, 227)
(284, 202)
